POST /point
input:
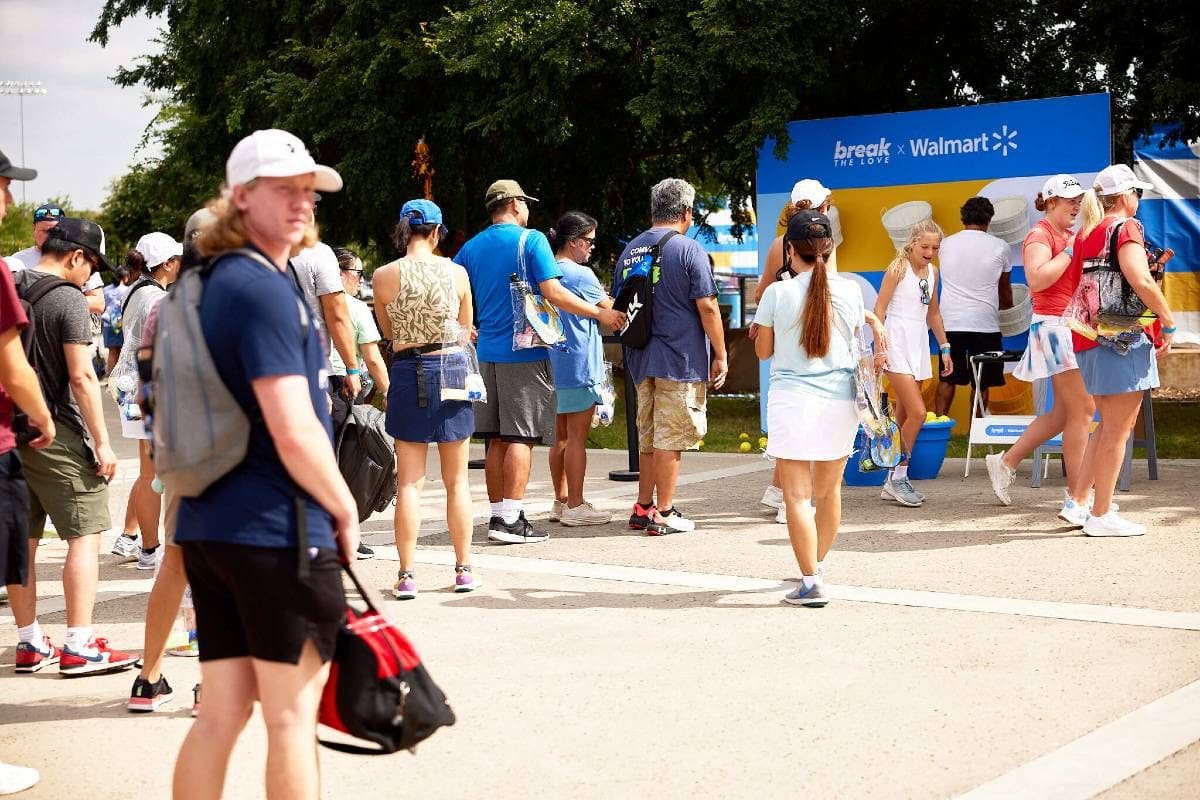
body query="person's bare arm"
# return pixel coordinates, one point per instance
(306, 452)
(934, 317)
(764, 343)
(1004, 288)
(376, 367)
(466, 304)
(773, 264)
(21, 384)
(95, 300)
(1042, 269)
(385, 283)
(886, 289)
(337, 319)
(564, 299)
(85, 388)
(710, 318)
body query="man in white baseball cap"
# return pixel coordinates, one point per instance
(277, 154)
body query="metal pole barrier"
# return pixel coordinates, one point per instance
(631, 431)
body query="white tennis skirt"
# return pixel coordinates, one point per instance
(1050, 350)
(908, 347)
(808, 427)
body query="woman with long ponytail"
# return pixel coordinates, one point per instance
(807, 326)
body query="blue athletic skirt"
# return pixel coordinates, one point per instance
(408, 420)
(1105, 371)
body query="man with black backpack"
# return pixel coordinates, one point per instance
(673, 322)
(68, 480)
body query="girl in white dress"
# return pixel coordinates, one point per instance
(908, 305)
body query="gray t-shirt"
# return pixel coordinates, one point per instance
(318, 274)
(60, 317)
(678, 348)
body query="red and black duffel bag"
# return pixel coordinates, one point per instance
(377, 688)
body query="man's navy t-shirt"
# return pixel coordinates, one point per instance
(257, 325)
(678, 349)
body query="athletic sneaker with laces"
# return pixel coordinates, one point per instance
(642, 517)
(1112, 504)
(1000, 476)
(1112, 525)
(772, 497)
(127, 547)
(1073, 513)
(96, 658)
(519, 532)
(585, 514)
(465, 580)
(31, 658)
(406, 586)
(670, 521)
(364, 552)
(556, 511)
(147, 696)
(191, 649)
(902, 492)
(148, 561)
(812, 597)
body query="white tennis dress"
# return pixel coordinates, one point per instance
(908, 327)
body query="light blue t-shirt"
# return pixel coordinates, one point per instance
(582, 364)
(781, 308)
(490, 259)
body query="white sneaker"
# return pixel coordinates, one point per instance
(1073, 513)
(126, 546)
(149, 561)
(1112, 505)
(556, 511)
(15, 779)
(772, 497)
(1112, 525)
(781, 514)
(1001, 477)
(585, 514)
(670, 522)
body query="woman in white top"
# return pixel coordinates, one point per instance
(808, 325)
(157, 255)
(908, 305)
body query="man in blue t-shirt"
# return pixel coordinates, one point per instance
(520, 407)
(672, 371)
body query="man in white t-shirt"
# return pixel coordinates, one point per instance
(316, 271)
(45, 217)
(976, 284)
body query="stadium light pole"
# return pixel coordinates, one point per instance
(20, 89)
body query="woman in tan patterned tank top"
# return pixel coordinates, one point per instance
(423, 303)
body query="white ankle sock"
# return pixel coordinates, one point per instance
(510, 510)
(78, 638)
(810, 581)
(900, 472)
(497, 509)
(31, 633)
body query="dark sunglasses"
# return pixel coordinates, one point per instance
(353, 271)
(590, 241)
(925, 297)
(1138, 190)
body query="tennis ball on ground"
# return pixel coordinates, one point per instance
(744, 447)
(762, 441)
(943, 418)
(743, 436)
(700, 443)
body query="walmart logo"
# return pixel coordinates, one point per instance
(1004, 140)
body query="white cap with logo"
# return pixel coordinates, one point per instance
(811, 190)
(1064, 186)
(1117, 178)
(158, 248)
(277, 154)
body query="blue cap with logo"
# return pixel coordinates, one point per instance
(48, 211)
(423, 212)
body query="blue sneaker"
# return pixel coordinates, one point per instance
(902, 492)
(813, 597)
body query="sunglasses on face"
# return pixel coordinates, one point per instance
(590, 241)
(925, 296)
(356, 272)
(1138, 192)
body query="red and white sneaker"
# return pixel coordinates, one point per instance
(95, 658)
(31, 658)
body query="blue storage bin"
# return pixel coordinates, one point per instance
(927, 457)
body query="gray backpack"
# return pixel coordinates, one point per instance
(200, 430)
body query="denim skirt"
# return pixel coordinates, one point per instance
(415, 410)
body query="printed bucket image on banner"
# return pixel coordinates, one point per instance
(888, 171)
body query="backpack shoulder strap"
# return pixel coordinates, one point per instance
(666, 237)
(37, 288)
(141, 284)
(1112, 245)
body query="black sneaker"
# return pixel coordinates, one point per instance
(147, 696)
(642, 517)
(519, 532)
(365, 552)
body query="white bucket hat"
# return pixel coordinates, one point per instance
(277, 154)
(811, 190)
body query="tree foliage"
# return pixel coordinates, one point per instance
(589, 102)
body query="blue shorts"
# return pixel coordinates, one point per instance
(1105, 371)
(580, 398)
(438, 420)
(112, 338)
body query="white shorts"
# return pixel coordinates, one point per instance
(808, 427)
(1050, 350)
(133, 428)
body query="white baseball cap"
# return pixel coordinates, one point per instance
(158, 248)
(277, 154)
(1064, 186)
(811, 190)
(1117, 178)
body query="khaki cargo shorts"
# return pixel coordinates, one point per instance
(63, 485)
(671, 415)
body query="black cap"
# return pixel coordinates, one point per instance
(7, 170)
(808, 224)
(85, 234)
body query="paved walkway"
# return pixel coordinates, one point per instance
(971, 650)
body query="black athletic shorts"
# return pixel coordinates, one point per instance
(963, 345)
(14, 520)
(251, 601)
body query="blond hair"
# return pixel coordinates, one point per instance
(900, 262)
(228, 230)
(1095, 206)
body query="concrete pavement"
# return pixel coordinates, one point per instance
(970, 650)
